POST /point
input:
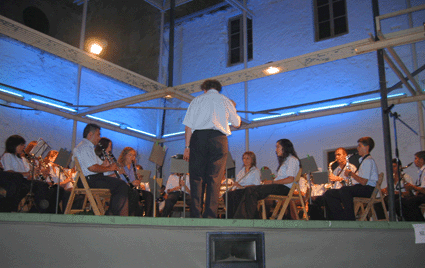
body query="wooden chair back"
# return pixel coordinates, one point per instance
(364, 206)
(96, 198)
(283, 201)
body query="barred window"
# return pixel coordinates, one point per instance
(236, 41)
(330, 18)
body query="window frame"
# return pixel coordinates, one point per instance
(331, 20)
(241, 41)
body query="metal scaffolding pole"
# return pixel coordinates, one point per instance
(385, 119)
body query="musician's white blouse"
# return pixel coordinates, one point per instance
(14, 163)
(252, 177)
(289, 168)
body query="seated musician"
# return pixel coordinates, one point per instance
(340, 202)
(410, 204)
(13, 161)
(289, 166)
(337, 178)
(145, 185)
(93, 167)
(405, 178)
(177, 185)
(249, 175)
(127, 160)
(58, 173)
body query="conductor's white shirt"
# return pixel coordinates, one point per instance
(211, 110)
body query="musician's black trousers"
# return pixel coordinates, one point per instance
(411, 210)
(340, 201)
(233, 200)
(172, 200)
(207, 163)
(16, 187)
(247, 208)
(119, 191)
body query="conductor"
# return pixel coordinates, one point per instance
(207, 127)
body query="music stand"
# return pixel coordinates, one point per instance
(180, 166)
(62, 160)
(308, 165)
(40, 148)
(266, 174)
(230, 163)
(37, 151)
(320, 177)
(157, 156)
(146, 174)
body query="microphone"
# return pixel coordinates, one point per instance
(408, 165)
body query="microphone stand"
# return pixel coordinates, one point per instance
(396, 117)
(29, 199)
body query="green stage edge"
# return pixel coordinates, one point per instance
(111, 221)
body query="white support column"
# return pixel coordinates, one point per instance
(77, 93)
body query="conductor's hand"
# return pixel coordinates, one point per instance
(233, 102)
(186, 154)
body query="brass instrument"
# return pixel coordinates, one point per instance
(410, 192)
(349, 181)
(330, 171)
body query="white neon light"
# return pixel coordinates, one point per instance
(11, 93)
(378, 98)
(172, 134)
(103, 120)
(273, 116)
(53, 104)
(323, 108)
(140, 131)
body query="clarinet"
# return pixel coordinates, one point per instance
(111, 158)
(114, 160)
(135, 175)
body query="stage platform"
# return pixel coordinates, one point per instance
(46, 240)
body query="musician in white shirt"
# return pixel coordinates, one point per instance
(93, 169)
(410, 205)
(249, 175)
(177, 185)
(207, 127)
(340, 202)
(289, 165)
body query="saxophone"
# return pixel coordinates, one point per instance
(330, 169)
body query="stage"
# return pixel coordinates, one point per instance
(45, 240)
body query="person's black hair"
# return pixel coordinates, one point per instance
(288, 149)
(103, 144)
(90, 128)
(367, 141)
(12, 142)
(211, 84)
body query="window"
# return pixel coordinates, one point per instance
(236, 41)
(330, 18)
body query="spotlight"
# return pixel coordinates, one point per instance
(96, 46)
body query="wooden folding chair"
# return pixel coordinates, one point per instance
(283, 201)
(180, 205)
(422, 208)
(364, 206)
(96, 198)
